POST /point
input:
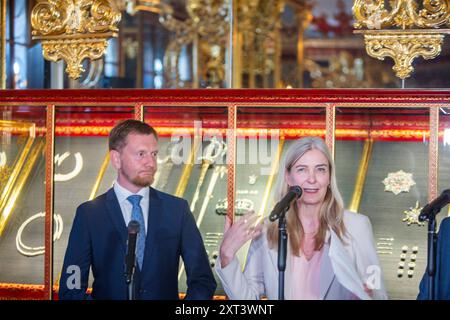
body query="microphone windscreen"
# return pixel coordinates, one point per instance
(133, 227)
(297, 190)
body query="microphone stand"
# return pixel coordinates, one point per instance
(279, 212)
(431, 255)
(282, 252)
(435, 206)
(129, 278)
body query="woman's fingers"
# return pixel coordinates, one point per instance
(256, 233)
(238, 233)
(249, 218)
(251, 233)
(368, 290)
(246, 228)
(246, 217)
(253, 227)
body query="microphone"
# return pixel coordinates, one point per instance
(130, 258)
(435, 206)
(281, 207)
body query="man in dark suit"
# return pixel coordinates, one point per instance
(442, 274)
(168, 231)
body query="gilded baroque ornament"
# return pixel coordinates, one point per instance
(404, 48)
(402, 29)
(73, 30)
(397, 182)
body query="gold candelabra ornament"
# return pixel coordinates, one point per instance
(344, 71)
(206, 28)
(402, 29)
(73, 30)
(133, 6)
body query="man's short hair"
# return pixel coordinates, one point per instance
(118, 135)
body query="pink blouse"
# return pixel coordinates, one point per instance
(306, 276)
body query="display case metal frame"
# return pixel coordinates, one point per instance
(232, 100)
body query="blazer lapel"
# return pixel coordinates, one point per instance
(344, 268)
(326, 272)
(115, 214)
(154, 219)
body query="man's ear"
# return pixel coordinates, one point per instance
(114, 156)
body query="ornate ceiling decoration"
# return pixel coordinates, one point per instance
(402, 29)
(73, 30)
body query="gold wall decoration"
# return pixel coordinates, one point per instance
(74, 30)
(402, 30)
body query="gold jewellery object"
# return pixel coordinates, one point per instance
(73, 30)
(242, 206)
(402, 29)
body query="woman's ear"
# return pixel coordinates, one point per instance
(114, 156)
(287, 178)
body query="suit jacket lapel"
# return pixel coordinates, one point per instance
(115, 214)
(154, 219)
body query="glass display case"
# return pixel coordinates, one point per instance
(387, 180)
(22, 218)
(219, 150)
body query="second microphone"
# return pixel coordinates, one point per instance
(281, 207)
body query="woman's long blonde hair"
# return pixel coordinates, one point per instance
(331, 212)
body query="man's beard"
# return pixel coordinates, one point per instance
(140, 181)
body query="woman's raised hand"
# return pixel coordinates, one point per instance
(238, 233)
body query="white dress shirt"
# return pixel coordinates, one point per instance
(126, 206)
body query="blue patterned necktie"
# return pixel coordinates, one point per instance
(136, 214)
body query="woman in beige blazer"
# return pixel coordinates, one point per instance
(331, 252)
